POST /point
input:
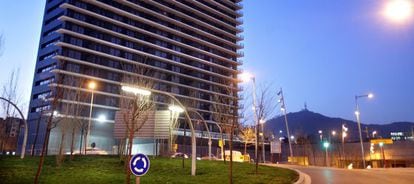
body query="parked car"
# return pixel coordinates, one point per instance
(91, 151)
(237, 156)
(179, 155)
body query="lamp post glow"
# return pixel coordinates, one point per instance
(101, 118)
(55, 113)
(175, 108)
(91, 86)
(136, 91)
(374, 133)
(357, 114)
(398, 10)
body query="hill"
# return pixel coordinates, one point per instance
(308, 123)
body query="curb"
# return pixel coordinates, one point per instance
(303, 178)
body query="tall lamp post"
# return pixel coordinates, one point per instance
(283, 109)
(206, 126)
(320, 134)
(245, 77)
(357, 114)
(326, 146)
(262, 122)
(91, 86)
(381, 144)
(344, 134)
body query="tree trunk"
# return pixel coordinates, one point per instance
(44, 148)
(231, 157)
(81, 142)
(184, 146)
(245, 148)
(224, 149)
(36, 135)
(128, 171)
(59, 157)
(47, 142)
(72, 143)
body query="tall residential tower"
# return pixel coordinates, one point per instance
(190, 48)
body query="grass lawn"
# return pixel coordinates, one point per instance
(108, 169)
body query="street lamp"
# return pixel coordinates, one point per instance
(246, 77)
(175, 112)
(136, 91)
(175, 108)
(320, 134)
(326, 146)
(398, 10)
(357, 114)
(283, 109)
(91, 86)
(333, 132)
(374, 133)
(381, 144)
(344, 134)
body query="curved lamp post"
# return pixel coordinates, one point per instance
(246, 77)
(25, 126)
(91, 86)
(131, 89)
(221, 137)
(208, 131)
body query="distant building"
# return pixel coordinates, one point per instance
(401, 136)
(9, 133)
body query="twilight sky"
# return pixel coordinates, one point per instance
(321, 52)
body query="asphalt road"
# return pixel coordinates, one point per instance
(322, 175)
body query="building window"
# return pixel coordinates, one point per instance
(46, 81)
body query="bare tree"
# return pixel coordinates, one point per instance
(10, 93)
(248, 136)
(75, 122)
(226, 114)
(266, 108)
(38, 122)
(136, 108)
(71, 112)
(54, 102)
